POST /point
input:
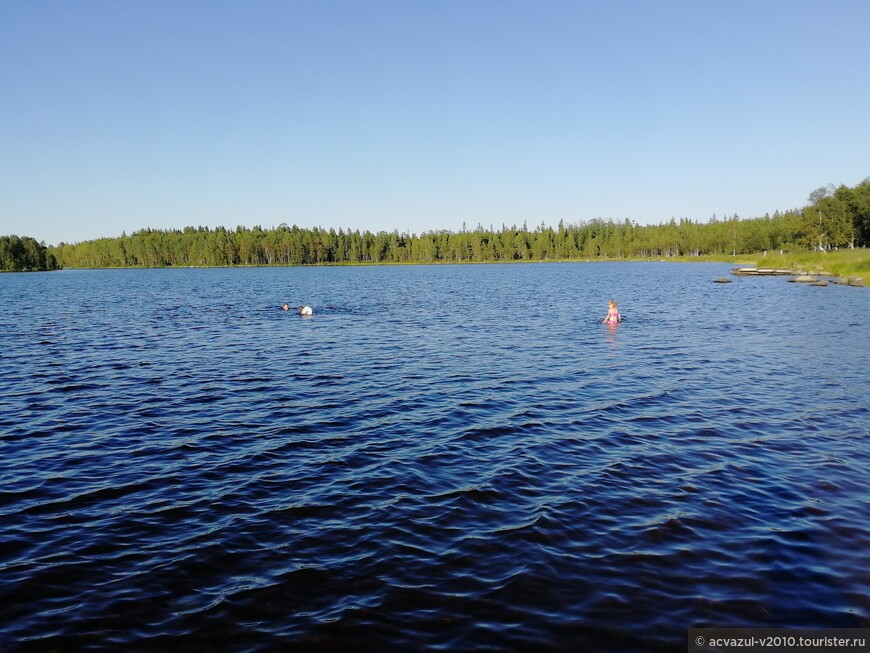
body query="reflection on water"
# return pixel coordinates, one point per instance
(610, 330)
(482, 466)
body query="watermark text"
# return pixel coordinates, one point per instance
(779, 640)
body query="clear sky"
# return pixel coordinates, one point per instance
(416, 115)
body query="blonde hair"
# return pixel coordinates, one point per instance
(612, 303)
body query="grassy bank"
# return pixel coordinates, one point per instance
(842, 262)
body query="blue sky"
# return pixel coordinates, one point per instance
(415, 115)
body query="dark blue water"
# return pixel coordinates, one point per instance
(456, 458)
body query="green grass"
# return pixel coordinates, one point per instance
(841, 262)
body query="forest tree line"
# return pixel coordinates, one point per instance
(833, 218)
(19, 254)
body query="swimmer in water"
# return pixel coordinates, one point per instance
(613, 316)
(302, 310)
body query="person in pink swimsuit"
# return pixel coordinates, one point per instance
(613, 316)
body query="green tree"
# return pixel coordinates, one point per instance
(24, 253)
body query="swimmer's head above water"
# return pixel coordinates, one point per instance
(302, 310)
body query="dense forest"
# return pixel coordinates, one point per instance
(833, 218)
(24, 253)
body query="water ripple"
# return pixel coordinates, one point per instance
(453, 473)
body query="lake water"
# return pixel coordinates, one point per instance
(443, 458)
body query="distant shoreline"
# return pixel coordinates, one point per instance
(358, 264)
(853, 263)
(844, 262)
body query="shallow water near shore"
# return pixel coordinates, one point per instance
(441, 458)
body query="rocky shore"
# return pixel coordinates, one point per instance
(797, 276)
